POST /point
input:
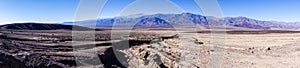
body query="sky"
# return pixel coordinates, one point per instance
(49, 11)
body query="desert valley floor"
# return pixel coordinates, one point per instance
(149, 49)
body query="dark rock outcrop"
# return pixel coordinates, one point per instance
(40, 26)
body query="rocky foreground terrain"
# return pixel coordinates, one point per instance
(148, 49)
(55, 48)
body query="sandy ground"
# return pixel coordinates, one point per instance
(255, 40)
(258, 50)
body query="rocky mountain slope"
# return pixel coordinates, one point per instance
(152, 22)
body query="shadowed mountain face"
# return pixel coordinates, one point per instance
(152, 22)
(183, 19)
(245, 22)
(40, 26)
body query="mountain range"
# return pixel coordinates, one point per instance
(171, 20)
(161, 21)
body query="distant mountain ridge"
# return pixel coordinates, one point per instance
(40, 26)
(168, 20)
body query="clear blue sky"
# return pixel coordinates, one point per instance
(12, 11)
